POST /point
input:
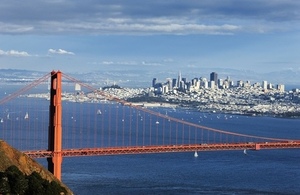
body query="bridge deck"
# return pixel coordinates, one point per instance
(164, 149)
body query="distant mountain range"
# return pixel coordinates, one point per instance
(143, 78)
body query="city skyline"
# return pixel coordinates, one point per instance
(259, 36)
(212, 82)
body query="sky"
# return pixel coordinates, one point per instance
(93, 35)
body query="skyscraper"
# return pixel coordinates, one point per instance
(153, 82)
(174, 83)
(179, 79)
(214, 77)
(265, 84)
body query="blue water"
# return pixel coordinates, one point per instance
(223, 172)
(263, 172)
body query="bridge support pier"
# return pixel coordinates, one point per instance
(55, 128)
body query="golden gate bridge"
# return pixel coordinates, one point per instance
(91, 122)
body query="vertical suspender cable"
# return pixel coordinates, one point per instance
(117, 122)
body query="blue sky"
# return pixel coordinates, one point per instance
(92, 35)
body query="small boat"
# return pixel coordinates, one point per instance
(26, 116)
(157, 122)
(1, 120)
(7, 116)
(195, 154)
(245, 151)
(99, 112)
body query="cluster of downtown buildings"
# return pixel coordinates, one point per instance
(213, 95)
(181, 84)
(227, 96)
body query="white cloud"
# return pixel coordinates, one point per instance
(141, 26)
(150, 17)
(129, 63)
(15, 28)
(14, 53)
(107, 62)
(60, 52)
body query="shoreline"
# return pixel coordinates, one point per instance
(154, 104)
(233, 112)
(212, 108)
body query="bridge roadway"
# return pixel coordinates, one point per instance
(164, 149)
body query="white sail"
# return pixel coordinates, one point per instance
(99, 112)
(26, 116)
(245, 151)
(195, 154)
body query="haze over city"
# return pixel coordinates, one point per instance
(194, 37)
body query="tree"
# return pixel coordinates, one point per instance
(4, 184)
(35, 186)
(17, 180)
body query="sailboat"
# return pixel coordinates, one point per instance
(26, 116)
(245, 151)
(99, 112)
(1, 120)
(7, 116)
(195, 154)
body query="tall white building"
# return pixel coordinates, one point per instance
(212, 84)
(220, 83)
(265, 85)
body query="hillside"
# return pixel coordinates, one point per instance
(10, 157)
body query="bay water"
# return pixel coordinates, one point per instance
(216, 172)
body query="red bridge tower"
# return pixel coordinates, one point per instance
(55, 128)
